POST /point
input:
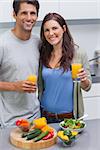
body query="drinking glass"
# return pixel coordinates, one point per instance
(75, 70)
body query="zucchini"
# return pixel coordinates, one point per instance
(33, 135)
(30, 132)
(43, 134)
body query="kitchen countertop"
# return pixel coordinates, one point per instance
(87, 140)
(95, 79)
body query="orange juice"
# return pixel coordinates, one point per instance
(75, 69)
(32, 78)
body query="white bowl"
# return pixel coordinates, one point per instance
(78, 130)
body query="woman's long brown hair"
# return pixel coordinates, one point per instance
(67, 45)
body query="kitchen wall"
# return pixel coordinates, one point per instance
(87, 36)
(83, 18)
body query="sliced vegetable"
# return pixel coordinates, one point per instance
(67, 136)
(74, 133)
(29, 133)
(47, 128)
(49, 136)
(43, 134)
(62, 136)
(31, 136)
(67, 132)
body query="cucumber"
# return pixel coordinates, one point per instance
(31, 136)
(30, 132)
(43, 134)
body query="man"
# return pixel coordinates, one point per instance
(19, 58)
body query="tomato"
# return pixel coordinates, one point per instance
(78, 124)
(66, 126)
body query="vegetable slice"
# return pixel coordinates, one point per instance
(31, 136)
(43, 134)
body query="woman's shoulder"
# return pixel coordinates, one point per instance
(79, 55)
(79, 52)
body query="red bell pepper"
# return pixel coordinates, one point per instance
(18, 122)
(23, 124)
(49, 136)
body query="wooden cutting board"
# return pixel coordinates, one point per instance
(18, 141)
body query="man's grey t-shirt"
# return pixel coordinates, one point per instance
(18, 59)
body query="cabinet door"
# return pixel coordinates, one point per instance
(47, 6)
(98, 9)
(92, 107)
(6, 11)
(74, 9)
(92, 101)
(93, 92)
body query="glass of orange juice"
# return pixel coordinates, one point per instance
(75, 69)
(32, 78)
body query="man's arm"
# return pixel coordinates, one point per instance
(19, 86)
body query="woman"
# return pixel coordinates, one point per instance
(59, 96)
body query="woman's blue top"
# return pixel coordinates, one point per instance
(58, 93)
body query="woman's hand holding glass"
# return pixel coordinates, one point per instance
(82, 74)
(83, 78)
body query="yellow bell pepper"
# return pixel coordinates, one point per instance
(47, 128)
(74, 133)
(40, 122)
(62, 136)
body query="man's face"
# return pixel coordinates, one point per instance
(26, 17)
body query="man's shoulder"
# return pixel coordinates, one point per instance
(5, 34)
(35, 37)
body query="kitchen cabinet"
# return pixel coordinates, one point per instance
(92, 105)
(98, 9)
(79, 9)
(92, 102)
(47, 6)
(6, 11)
(73, 9)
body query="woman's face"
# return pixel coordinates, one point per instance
(53, 32)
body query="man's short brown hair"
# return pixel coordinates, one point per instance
(16, 5)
